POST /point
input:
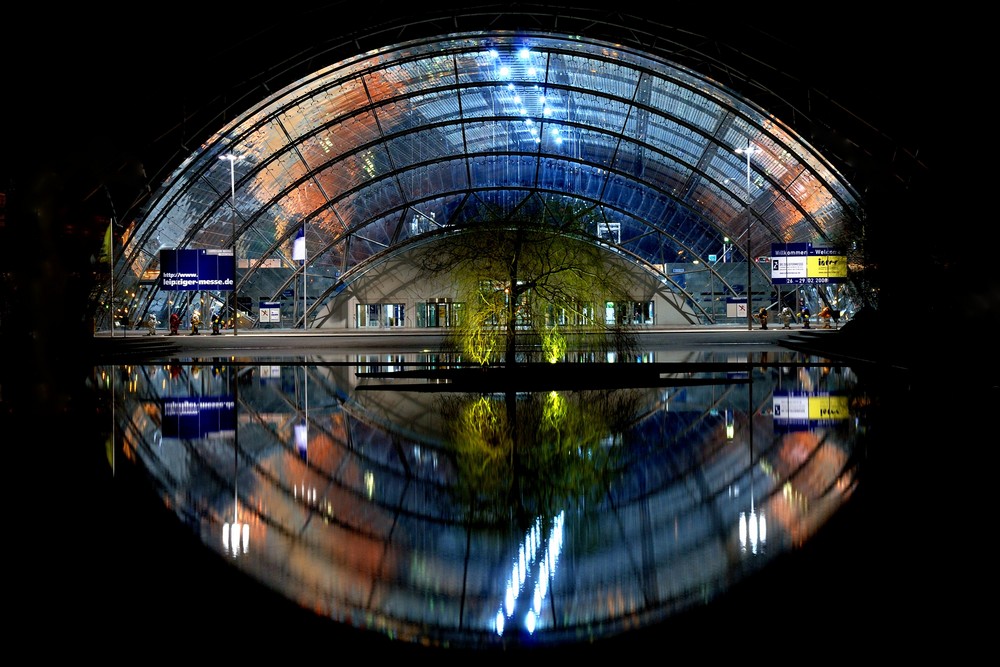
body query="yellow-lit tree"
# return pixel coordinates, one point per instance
(536, 278)
(528, 455)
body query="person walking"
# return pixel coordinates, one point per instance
(216, 321)
(175, 323)
(805, 317)
(151, 323)
(195, 323)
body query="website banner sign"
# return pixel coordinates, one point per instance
(196, 269)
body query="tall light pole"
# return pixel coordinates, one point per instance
(750, 149)
(232, 157)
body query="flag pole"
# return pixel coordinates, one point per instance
(305, 262)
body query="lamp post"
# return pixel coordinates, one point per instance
(748, 151)
(232, 157)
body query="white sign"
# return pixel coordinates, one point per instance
(270, 312)
(789, 268)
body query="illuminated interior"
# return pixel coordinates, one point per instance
(379, 152)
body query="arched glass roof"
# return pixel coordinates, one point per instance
(399, 143)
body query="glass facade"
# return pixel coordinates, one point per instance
(364, 158)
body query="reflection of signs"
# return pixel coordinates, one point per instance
(197, 416)
(801, 410)
(827, 408)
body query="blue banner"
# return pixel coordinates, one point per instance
(197, 269)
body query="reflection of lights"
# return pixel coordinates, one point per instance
(752, 531)
(730, 424)
(530, 621)
(236, 536)
(302, 439)
(370, 484)
(753, 528)
(543, 569)
(306, 495)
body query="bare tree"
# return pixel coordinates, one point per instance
(535, 278)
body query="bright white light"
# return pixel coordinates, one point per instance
(504, 71)
(532, 71)
(529, 622)
(523, 53)
(753, 531)
(539, 554)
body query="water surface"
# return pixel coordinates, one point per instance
(387, 493)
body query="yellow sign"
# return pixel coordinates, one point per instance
(827, 266)
(826, 408)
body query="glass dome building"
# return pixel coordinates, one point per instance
(321, 188)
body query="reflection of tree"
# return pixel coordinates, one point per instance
(536, 274)
(520, 456)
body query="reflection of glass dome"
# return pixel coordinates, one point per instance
(374, 153)
(354, 521)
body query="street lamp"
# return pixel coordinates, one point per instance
(748, 151)
(232, 157)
